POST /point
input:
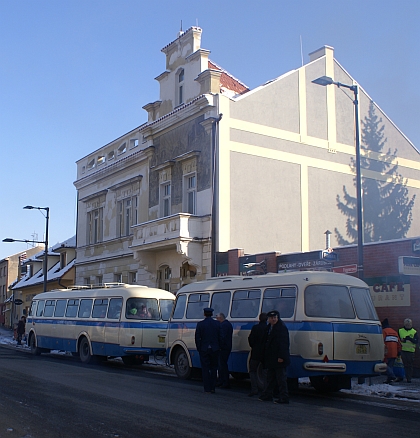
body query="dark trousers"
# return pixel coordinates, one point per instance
(253, 375)
(276, 376)
(209, 360)
(223, 368)
(408, 361)
(390, 368)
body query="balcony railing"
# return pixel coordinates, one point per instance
(182, 226)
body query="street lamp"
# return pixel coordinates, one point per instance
(45, 242)
(324, 81)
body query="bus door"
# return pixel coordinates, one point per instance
(112, 327)
(153, 331)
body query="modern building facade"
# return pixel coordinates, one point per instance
(218, 163)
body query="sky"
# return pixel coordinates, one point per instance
(75, 74)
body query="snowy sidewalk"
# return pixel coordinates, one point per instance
(373, 387)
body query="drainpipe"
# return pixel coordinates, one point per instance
(214, 132)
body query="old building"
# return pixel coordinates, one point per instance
(12, 268)
(60, 275)
(260, 169)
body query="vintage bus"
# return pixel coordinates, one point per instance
(116, 320)
(334, 330)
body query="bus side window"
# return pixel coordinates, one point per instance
(280, 299)
(246, 303)
(220, 302)
(60, 308)
(115, 306)
(49, 308)
(85, 308)
(40, 308)
(166, 309)
(33, 308)
(72, 306)
(179, 308)
(100, 308)
(196, 305)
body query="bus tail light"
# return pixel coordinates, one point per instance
(326, 359)
(320, 348)
(133, 340)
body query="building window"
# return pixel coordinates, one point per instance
(63, 260)
(180, 87)
(99, 280)
(86, 282)
(164, 278)
(134, 143)
(111, 155)
(101, 159)
(133, 277)
(122, 148)
(190, 190)
(118, 278)
(95, 218)
(165, 194)
(127, 215)
(91, 164)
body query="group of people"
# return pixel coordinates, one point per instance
(269, 344)
(398, 344)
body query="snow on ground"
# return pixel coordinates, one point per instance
(373, 387)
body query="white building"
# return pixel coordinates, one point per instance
(149, 201)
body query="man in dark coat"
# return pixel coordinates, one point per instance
(255, 341)
(21, 330)
(207, 341)
(226, 332)
(276, 358)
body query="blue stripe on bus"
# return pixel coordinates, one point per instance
(139, 324)
(340, 327)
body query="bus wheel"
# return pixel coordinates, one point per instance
(325, 383)
(182, 367)
(129, 361)
(34, 349)
(84, 351)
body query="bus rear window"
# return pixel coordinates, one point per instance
(363, 303)
(328, 301)
(166, 308)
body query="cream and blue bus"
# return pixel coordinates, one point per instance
(115, 320)
(334, 330)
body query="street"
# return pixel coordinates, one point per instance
(59, 397)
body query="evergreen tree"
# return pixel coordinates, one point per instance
(386, 205)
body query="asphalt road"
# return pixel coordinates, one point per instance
(59, 397)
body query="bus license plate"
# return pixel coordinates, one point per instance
(361, 349)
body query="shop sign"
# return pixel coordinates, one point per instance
(389, 291)
(409, 265)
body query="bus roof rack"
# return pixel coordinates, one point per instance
(96, 286)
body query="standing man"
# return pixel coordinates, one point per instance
(276, 358)
(409, 339)
(392, 348)
(226, 332)
(207, 341)
(255, 341)
(21, 330)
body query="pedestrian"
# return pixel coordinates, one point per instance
(392, 349)
(276, 358)
(409, 339)
(226, 332)
(21, 330)
(255, 341)
(207, 341)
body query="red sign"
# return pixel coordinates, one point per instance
(347, 269)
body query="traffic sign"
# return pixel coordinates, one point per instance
(330, 256)
(18, 302)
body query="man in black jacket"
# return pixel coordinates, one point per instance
(226, 332)
(255, 341)
(276, 358)
(207, 341)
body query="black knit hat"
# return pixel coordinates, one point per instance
(385, 323)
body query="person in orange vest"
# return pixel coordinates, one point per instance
(409, 339)
(392, 349)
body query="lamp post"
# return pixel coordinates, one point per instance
(324, 81)
(45, 242)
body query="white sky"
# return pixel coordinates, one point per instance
(74, 76)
